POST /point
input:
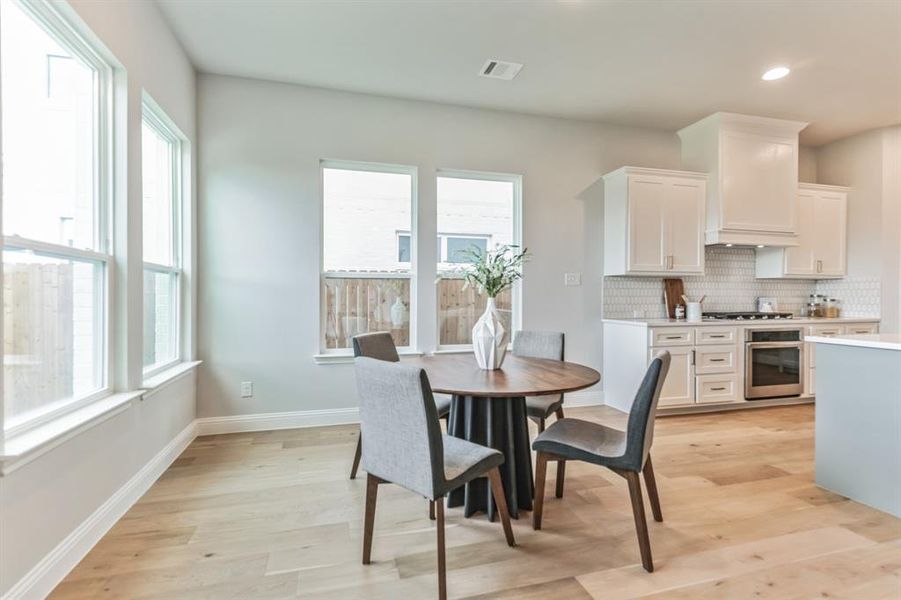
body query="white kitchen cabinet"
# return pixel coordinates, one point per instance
(753, 167)
(679, 387)
(654, 222)
(822, 238)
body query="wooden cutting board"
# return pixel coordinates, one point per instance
(672, 295)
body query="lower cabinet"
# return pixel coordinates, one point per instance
(717, 389)
(679, 387)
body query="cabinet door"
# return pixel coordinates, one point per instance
(685, 205)
(801, 259)
(679, 387)
(647, 203)
(829, 233)
(759, 192)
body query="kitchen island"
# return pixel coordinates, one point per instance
(858, 418)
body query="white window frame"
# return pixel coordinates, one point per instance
(516, 303)
(156, 119)
(58, 27)
(346, 165)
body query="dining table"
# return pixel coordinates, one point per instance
(488, 407)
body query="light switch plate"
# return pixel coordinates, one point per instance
(246, 389)
(572, 279)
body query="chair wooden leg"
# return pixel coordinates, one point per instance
(559, 413)
(538, 501)
(432, 509)
(372, 490)
(650, 483)
(500, 499)
(357, 454)
(641, 524)
(442, 569)
(561, 473)
(540, 425)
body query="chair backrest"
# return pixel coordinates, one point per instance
(640, 428)
(378, 345)
(399, 426)
(538, 344)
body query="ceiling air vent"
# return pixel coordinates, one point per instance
(499, 69)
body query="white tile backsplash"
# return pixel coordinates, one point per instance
(859, 296)
(729, 284)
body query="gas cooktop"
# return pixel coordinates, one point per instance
(747, 316)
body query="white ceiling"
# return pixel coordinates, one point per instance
(652, 63)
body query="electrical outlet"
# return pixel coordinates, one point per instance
(246, 389)
(572, 279)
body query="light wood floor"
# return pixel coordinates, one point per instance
(273, 515)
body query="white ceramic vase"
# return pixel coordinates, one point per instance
(489, 339)
(398, 313)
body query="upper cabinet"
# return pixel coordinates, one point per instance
(753, 168)
(822, 237)
(654, 222)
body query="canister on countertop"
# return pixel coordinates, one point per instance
(831, 309)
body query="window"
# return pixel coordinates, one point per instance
(482, 210)
(449, 247)
(161, 160)
(56, 261)
(368, 256)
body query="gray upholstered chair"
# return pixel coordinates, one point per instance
(625, 453)
(380, 345)
(403, 444)
(541, 344)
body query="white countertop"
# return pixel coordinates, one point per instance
(727, 323)
(882, 341)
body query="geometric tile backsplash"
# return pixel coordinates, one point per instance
(729, 284)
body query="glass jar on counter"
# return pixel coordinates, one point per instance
(831, 308)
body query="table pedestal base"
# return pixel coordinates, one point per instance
(502, 424)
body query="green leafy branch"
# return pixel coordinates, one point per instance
(492, 271)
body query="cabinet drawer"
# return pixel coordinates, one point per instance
(715, 335)
(717, 388)
(672, 336)
(861, 328)
(821, 330)
(715, 359)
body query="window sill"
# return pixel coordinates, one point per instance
(25, 447)
(161, 380)
(339, 358)
(453, 351)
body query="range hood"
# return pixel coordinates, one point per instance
(752, 187)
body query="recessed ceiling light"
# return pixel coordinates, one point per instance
(761, 246)
(776, 73)
(728, 245)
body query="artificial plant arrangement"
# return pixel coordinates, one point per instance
(491, 272)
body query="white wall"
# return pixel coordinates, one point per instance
(870, 163)
(259, 211)
(45, 500)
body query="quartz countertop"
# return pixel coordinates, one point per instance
(882, 341)
(744, 322)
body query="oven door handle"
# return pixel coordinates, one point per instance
(752, 345)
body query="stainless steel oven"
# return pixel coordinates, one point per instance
(774, 363)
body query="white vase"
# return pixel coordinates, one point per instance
(398, 313)
(489, 339)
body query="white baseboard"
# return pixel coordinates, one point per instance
(53, 568)
(584, 398)
(282, 420)
(335, 416)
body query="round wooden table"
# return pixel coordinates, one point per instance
(489, 408)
